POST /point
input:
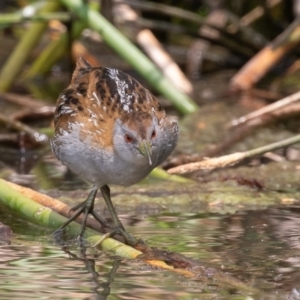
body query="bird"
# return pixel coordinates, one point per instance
(109, 129)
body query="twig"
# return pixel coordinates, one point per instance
(267, 109)
(238, 134)
(169, 10)
(147, 40)
(174, 12)
(223, 40)
(231, 159)
(22, 100)
(257, 13)
(196, 19)
(246, 34)
(34, 134)
(260, 64)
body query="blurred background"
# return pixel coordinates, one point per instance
(222, 69)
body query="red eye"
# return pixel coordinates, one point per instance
(128, 139)
(153, 135)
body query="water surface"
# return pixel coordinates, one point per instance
(259, 247)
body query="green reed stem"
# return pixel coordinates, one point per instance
(16, 60)
(52, 53)
(43, 216)
(13, 18)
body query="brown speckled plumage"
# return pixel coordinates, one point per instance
(94, 96)
(109, 129)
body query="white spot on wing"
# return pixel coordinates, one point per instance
(148, 96)
(63, 97)
(97, 98)
(126, 107)
(136, 97)
(63, 110)
(93, 117)
(126, 100)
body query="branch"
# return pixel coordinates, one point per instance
(231, 159)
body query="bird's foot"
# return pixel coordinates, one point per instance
(85, 208)
(130, 240)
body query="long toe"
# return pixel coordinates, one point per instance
(130, 240)
(80, 205)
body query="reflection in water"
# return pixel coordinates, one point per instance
(101, 289)
(261, 248)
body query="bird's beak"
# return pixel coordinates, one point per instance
(146, 151)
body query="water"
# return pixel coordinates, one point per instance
(259, 248)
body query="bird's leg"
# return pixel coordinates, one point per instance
(118, 226)
(86, 207)
(105, 190)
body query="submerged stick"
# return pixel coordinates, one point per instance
(12, 198)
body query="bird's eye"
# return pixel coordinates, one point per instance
(128, 139)
(153, 134)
